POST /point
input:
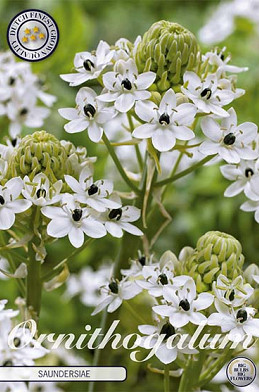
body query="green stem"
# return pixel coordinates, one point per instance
(138, 154)
(118, 164)
(216, 366)
(34, 285)
(184, 172)
(166, 379)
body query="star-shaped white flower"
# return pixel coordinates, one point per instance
(245, 177)
(94, 194)
(10, 204)
(184, 305)
(238, 322)
(119, 219)
(73, 220)
(89, 114)
(234, 293)
(166, 354)
(231, 141)
(165, 123)
(221, 61)
(116, 293)
(125, 86)
(40, 192)
(206, 95)
(89, 65)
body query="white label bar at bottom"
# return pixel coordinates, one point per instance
(63, 373)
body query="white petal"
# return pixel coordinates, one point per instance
(59, 227)
(124, 102)
(68, 113)
(168, 102)
(114, 229)
(235, 188)
(115, 304)
(76, 237)
(146, 110)
(185, 113)
(166, 355)
(211, 129)
(145, 80)
(7, 218)
(93, 228)
(183, 133)
(19, 205)
(203, 301)
(144, 131)
(209, 148)
(95, 132)
(163, 140)
(73, 184)
(75, 79)
(131, 228)
(75, 126)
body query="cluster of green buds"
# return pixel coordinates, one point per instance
(216, 253)
(42, 152)
(168, 49)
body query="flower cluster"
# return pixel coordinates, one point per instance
(164, 97)
(177, 304)
(54, 178)
(20, 91)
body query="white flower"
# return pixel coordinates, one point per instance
(164, 353)
(27, 349)
(207, 95)
(229, 140)
(158, 277)
(184, 305)
(136, 266)
(39, 191)
(125, 86)
(238, 322)
(220, 60)
(73, 220)
(116, 292)
(118, 219)
(6, 313)
(89, 65)
(234, 293)
(10, 204)
(243, 174)
(89, 114)
(94, 194)
(87, 284)
(165, 123)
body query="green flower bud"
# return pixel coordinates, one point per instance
(39, 152)
(251, 270)
(42, 152)
(168, 49)
(216, 253)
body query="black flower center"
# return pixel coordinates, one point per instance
(17, 342)
(41, 192)
(163, 279)
(229, 139)
(249, 172)
(77, 214)
(167, 330)
(113, 286)
(242, 315)
(142, 260)
(206, 93)
(115, 214)
(222, 57)
(164, 119)
(13, 142)
(93, 189)
(88, 64)
(8, 362)
(2, 200)
(126, 84)
(231, 296)
(11, 81)
(184, 304)
(89, 110)
(23, 111)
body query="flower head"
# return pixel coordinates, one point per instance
(231, 141)
(89, 65)
(89, 114)
(165, 123)
(125, 86)
(118, 219)
(40, 192)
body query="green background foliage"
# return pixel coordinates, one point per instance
(196, 203)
